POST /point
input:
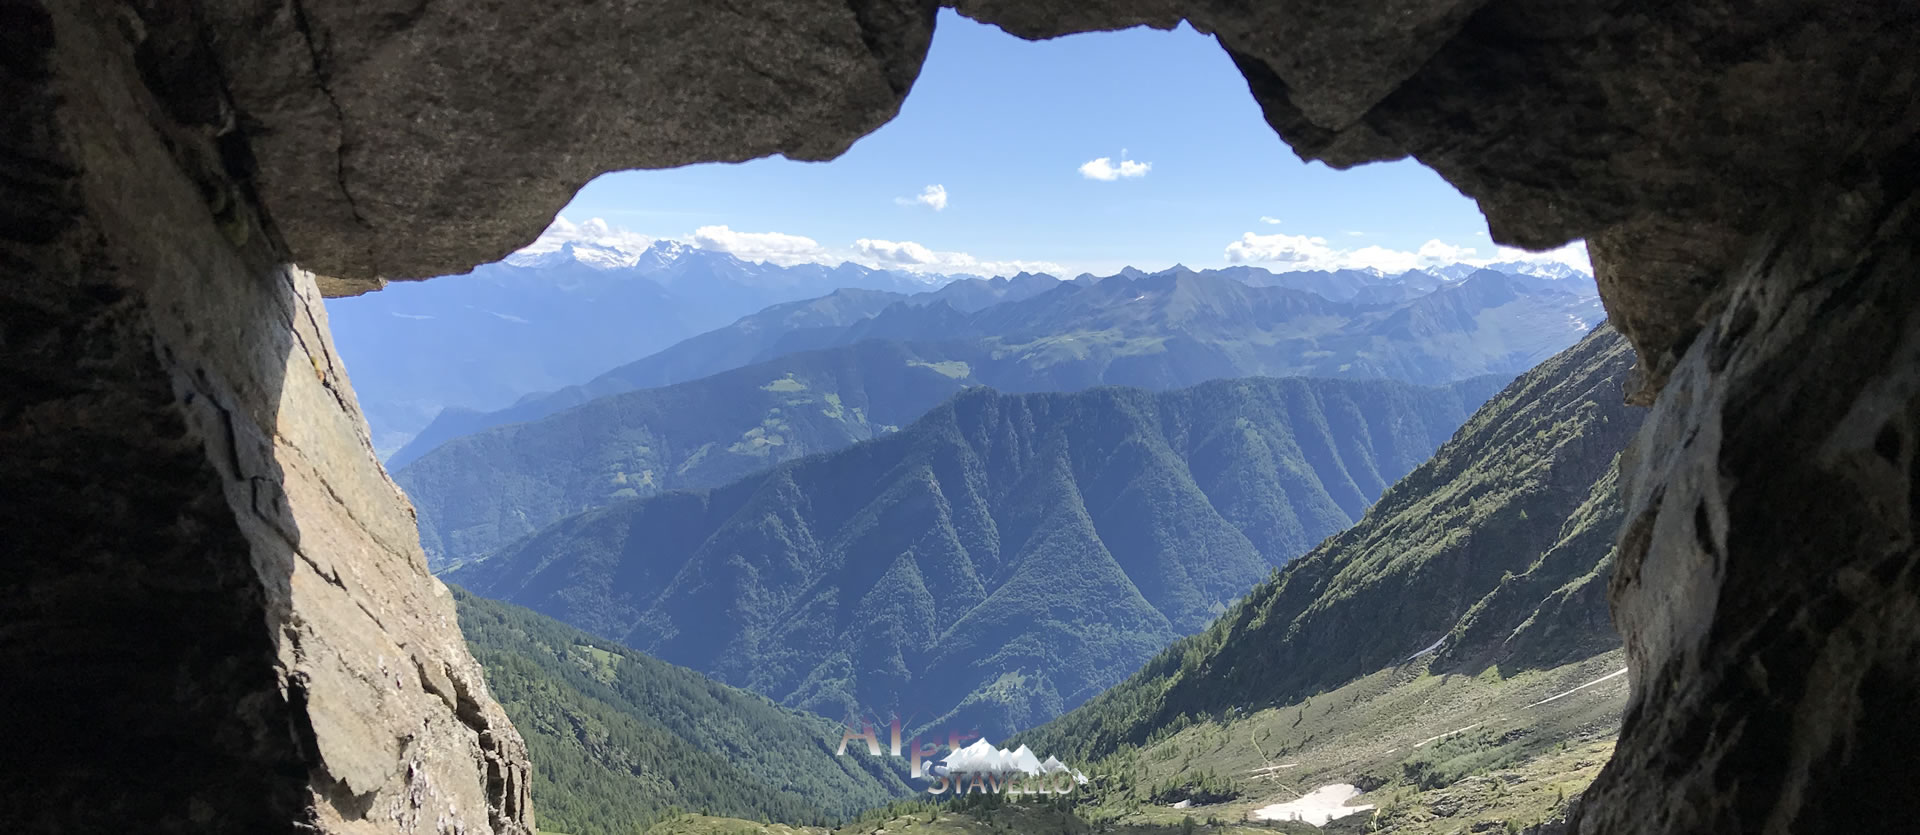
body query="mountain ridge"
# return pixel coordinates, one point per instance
(1075, 534)
(680, 361)
(1495, 553)
(1165, 331)
(486, 338)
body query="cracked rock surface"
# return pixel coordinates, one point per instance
(214, 612)
(419, 138)
(1768, 583)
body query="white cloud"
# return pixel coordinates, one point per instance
(1440, 252)
(910, 256)
(894, 253)
(934, 196)
(1279, 248)
(1306, 252)
(594, 238)
(1573, 255)
(1105, 169)
(773, 247)
(595, 231)
(1388, 260)
(919, 258)
(1271, 221)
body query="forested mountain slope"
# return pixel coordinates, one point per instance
(618, 739)
(1002, 559)
(1494, 553)
(481, 492)
(1157, 331)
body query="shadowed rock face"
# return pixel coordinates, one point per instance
(214, 613)
(1768, 583)
(207, 567)
(388, 133)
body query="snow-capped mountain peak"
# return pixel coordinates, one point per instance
(1540, 269)
(1452, 272)
(595, 255)
(594, 244)
(662, 254)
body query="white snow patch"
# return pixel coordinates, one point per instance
(1317, 807)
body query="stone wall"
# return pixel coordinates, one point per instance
(215, 617)
(1768, 583)
(214, 612)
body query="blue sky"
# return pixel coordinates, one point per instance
(1005, 127)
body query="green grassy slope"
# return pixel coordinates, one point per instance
(1433, 752)
(1493, 553)
(1436, 754)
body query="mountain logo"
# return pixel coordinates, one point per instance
(979, 768)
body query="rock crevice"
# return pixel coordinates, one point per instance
(211, 585)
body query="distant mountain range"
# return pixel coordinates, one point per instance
(850, 366)
(999, 560)
(560, 314)
(772, 332)
(542, 321)
(1494, 554)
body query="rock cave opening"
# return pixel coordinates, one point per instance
(218, 616)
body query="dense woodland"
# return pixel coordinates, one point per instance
(1001, 560)
(1494, 553)
(620, 740)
